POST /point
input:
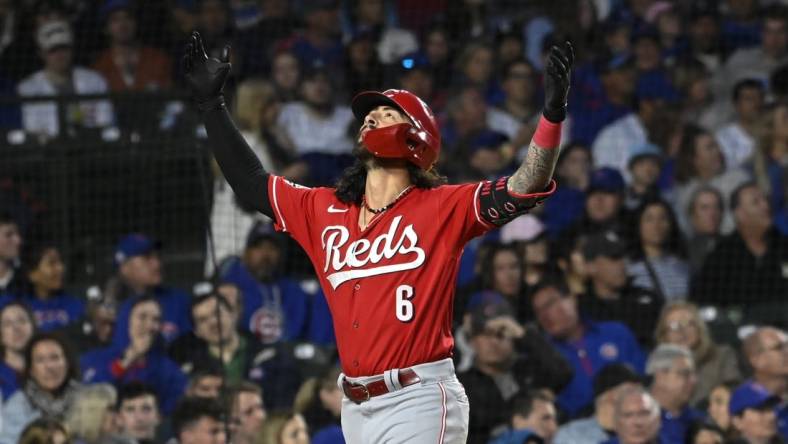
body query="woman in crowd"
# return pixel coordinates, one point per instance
(45, 431)
(17, 327)
(319, 400)
(143, 359)
(52, 306)
(717, 406)
(91, 419)
(286, 75)
(284, 428)
(256, 110)
(700, 162)
(49, 387)
(680, 323)
(659, 259)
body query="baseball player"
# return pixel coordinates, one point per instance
(386, 244)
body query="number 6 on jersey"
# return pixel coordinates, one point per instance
(404, 305)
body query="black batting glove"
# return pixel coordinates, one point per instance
(556, 81)
(206, 76)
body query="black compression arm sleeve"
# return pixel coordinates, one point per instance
(240, 165)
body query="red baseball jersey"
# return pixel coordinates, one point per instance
(390, 287)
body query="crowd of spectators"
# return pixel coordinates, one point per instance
(642, 303)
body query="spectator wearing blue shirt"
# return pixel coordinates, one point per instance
(17, 327)
(533, 421)
(753, 415)
(140, 274)
(567, 204)
(766, 352)
(275, 307)
(52, 306)
(587, 345)
(637, 419)
(601, 94)
(143, 359)
(672, 368)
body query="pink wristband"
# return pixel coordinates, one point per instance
(548, 134)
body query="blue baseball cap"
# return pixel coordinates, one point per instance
(606, 179)
(413, 61)
(134, 244)
(641, 150)
(487, 140)
(751, 395)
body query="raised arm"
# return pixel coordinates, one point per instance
(535, 173)
(244, 172)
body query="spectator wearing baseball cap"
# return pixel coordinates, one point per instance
(598, 427)
(566, 206)
(604, 204)
(55, 40)
(586, 344)
(611, 295)
(766, 353)
(645, 166)
(650, 121)
(506, 350)
(607, 89)
(271, 297)
(752, 410)
(414, 73)
(140, 273)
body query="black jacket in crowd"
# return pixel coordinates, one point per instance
(537, 365)
(636, 307)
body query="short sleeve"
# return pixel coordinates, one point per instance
(459, 208)
(293, 207)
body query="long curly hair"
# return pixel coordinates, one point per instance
(350, 186)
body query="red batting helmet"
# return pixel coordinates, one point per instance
(420, 142)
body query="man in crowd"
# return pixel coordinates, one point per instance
(766, 353)
(60, 77)
(611, 296)
(609, 382)
(247, 413)
(217, 344)
(137, 414)
(673, 371)
(533, 419)
(637, 418)
(139, 270)
(509, 359)
(587, 345)
(199, 420)
(750, 261)
(275, 307)
(752, 414)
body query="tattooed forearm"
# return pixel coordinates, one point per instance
(535, 173)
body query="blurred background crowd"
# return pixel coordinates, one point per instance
(645, 302)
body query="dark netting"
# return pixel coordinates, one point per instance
(661, 259)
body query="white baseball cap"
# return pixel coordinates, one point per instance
(54, 34)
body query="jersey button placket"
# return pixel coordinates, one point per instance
(355, 324)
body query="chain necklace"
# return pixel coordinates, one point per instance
(382, 209)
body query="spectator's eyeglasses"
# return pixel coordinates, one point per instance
(680, 325)
(777, 346)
